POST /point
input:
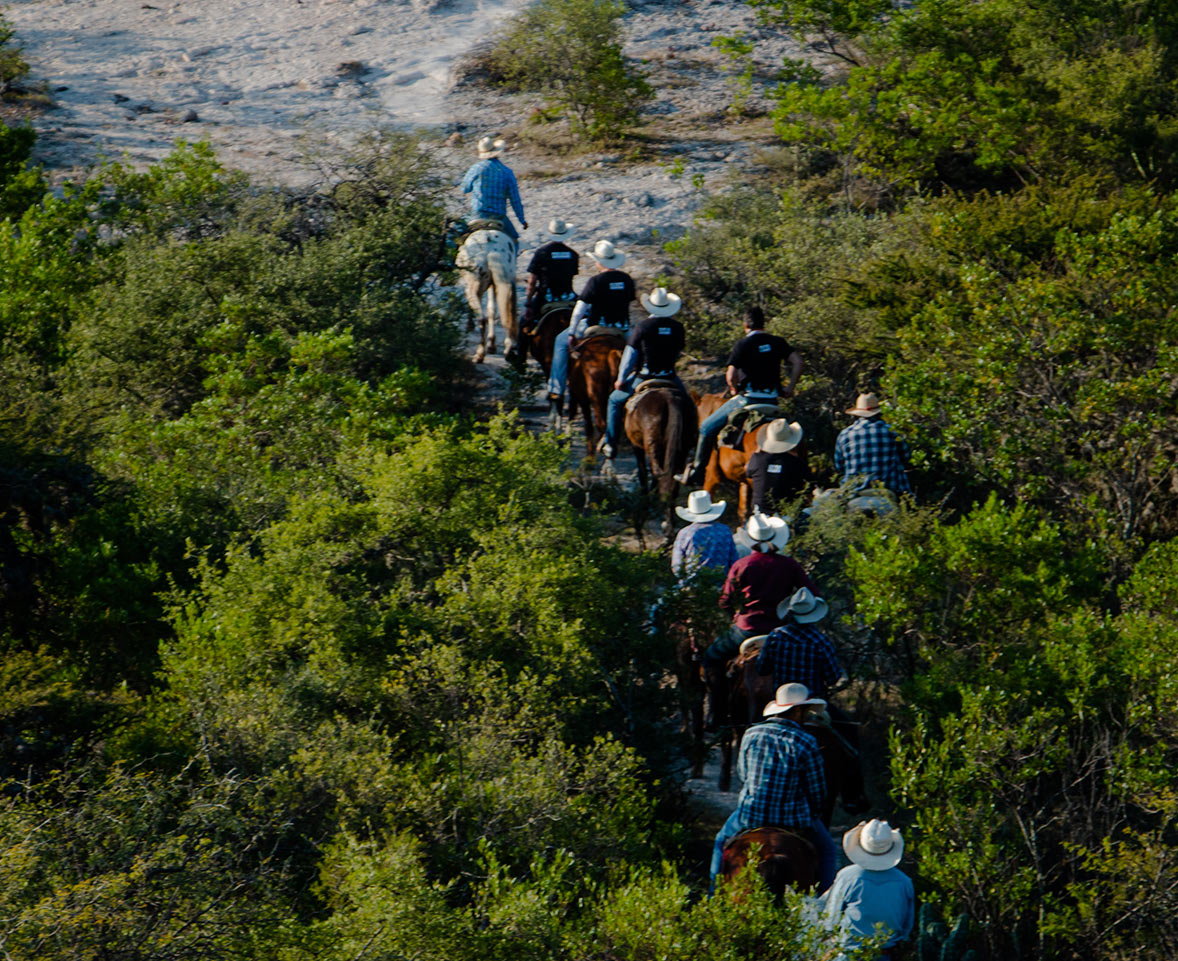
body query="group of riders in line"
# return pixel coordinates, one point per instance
(776, 606)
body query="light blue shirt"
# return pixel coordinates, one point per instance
(860, 900)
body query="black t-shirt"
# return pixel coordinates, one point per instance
(759, 356)
(609, 294)
(555, 265)
(658, 341)
(777, 478)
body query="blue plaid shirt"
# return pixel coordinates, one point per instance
(784, 783)
(491, 184)
(801, 653)
(869, 450)
(703, 545)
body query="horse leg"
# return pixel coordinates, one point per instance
(505, 302)
(726, 752)
(472, 286)
(643, 479)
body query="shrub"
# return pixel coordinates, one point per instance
(571, 52)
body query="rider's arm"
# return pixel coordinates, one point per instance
(533, 283)
(732, 375)
(795, 371)
(516, 204)
(628, 366)
(578, 324)
(468, 180)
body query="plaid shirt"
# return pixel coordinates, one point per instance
(801, 653)
(491, 184)
(698, 545)
(784, 783)
(870, 450)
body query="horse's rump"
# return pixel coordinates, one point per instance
(786, 857)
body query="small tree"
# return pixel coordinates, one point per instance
(571, 51)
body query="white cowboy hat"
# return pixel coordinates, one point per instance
(491, 147)
(777, 436)
(789, 696)
(558, 226)
(762, 531)
(874, 845)
(659, 303)
(804, 606)
(606, 254)
(751, 645)
(700, 509)
(866, 405)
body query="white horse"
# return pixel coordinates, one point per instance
(487, 260)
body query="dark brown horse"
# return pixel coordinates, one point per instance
(785, 858)
(541, 341)
(728, 463)
(661, 424)
(593, 368)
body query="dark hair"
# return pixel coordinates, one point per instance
(754, 318)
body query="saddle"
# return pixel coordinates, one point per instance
(651, 383)
(599, 330)
(744, 420)
(459, 230)
(549, 306)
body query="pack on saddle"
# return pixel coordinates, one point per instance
(459, 228)
(745, 420)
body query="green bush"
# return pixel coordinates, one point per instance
(571, 52)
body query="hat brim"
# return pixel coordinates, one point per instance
(872, 862)
(820, 611)
(568, 229)
(609, 263)
(861, 412)
(778, 446)
(710, 515)
(750, 645)
(773, 708)
(670, 308)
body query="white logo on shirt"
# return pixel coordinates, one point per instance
(560, 255)
(618, 285)
(773, 468)
(764, 348)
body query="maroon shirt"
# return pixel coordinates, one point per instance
(758, 583)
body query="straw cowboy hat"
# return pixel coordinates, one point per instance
(700, 509)
(558, 227)
(606, 254)
(491, 147)
(753, 645)
(790, 696)
(804, 606)
(761, 531)
(866, 405)
(659, 303)
(874, 845)
(777, 436)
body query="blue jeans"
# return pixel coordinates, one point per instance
(559, 375)
(508, 226)
(823, 845)
(616, 412)
(710, 429)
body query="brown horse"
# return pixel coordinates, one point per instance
(661, 424)
(691, 689)
(785, 858)
(593, 368)
(727, 463)
(541, 341)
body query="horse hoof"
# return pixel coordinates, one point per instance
(480, 355)
(607, 470)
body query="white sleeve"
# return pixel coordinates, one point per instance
(579, 323)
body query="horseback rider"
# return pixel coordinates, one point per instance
(754, 377)
(550, 273)
(869, 452)
(704, 542)
(778, 470)
(491, 184)
(652, 350)
(604, 302)
(784, 781)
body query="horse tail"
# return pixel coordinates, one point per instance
(673, 438)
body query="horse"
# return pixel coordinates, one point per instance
(487, 261)
(748, 693)
(786, 858)
(661, 425)
(728, 463)
(593, 368)
(541, 342)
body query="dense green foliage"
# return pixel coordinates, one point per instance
(570, 51)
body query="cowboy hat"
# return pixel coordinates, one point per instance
(659, 303)
(874, 845)
(606, 254)
(491, 147)
(752, 645)
(777, 436)
(790, 696)
(700, 509)
(764, 531)
(558, 226)
(804, 606)
(866, 405)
